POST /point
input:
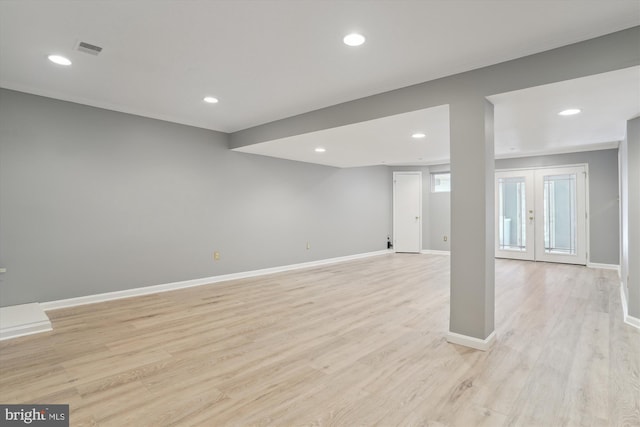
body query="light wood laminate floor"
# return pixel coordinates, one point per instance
(355, 343)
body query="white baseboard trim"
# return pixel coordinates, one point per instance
(24, 319)
(629, 320)
(615, 267)
(472, 342)
(434, 252)
(128, 293)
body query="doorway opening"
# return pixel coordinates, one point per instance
(407, 212)
(541, 214)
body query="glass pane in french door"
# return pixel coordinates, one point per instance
(560, 216)
(511, 214)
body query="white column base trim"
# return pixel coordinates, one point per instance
(615, 267)
(472, 342)
(632, 321)
(629, 320)
(434, 252)
(134, 292)
(23, 319)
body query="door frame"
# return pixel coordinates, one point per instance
(587, 206)
(419, 174)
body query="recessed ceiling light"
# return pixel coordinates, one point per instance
(570, 112)
(320, 150)
(210, 99)
(418, 135)
(60, 60)
(353, 39)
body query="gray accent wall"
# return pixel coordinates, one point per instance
(95, 201)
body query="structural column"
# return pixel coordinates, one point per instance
(630, 177)
(471, 320)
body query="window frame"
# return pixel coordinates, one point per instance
(434, 187)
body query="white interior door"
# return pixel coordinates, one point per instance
(407, 211)
(561, 222)
(515, 222)
(541, 214)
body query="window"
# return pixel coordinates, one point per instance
(440, 182)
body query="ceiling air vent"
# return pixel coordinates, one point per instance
(88, 48)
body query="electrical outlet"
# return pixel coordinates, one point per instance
(216, 256)
(444, 238)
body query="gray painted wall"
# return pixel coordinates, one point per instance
(96, 201)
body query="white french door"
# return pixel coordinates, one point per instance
(514, 215)
(541, 214)
(561, 203)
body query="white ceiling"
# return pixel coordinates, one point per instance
(526, 123)
(382, 141)
(266, 60)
